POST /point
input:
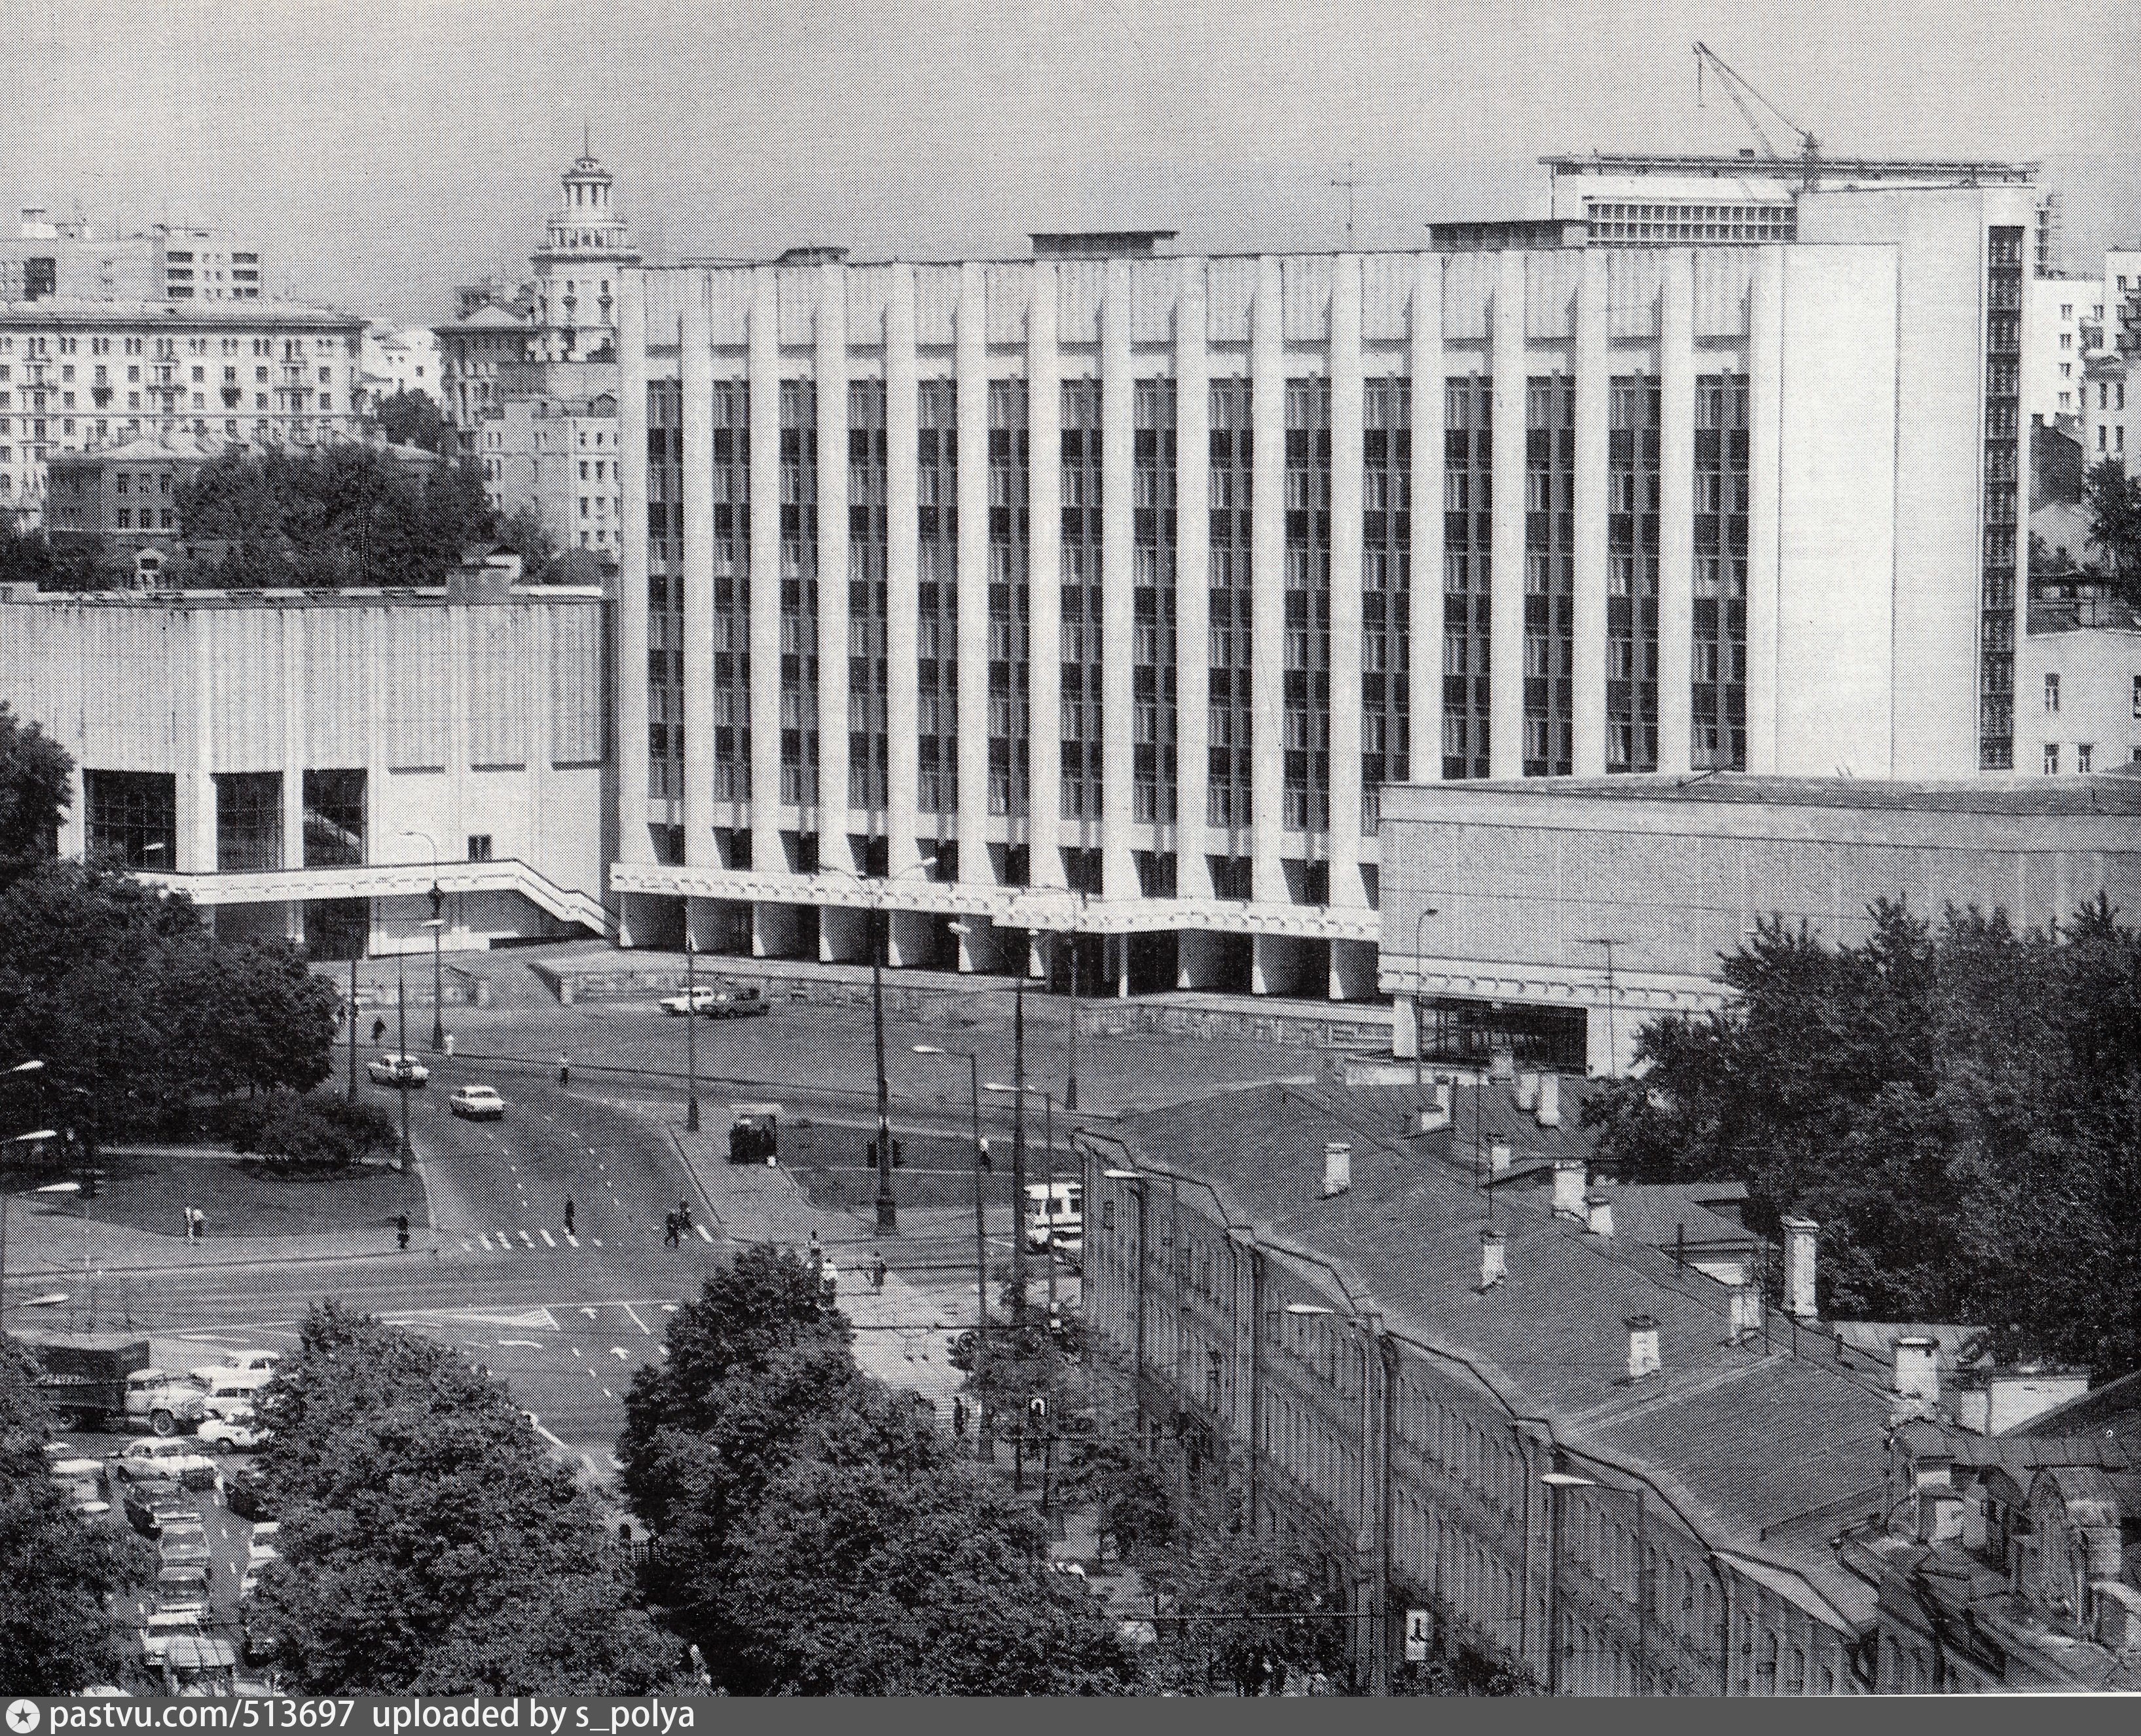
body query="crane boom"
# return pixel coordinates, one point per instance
(1739, 90)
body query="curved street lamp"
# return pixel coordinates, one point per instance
(437, 926)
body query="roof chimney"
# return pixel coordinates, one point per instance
(1434, 1118)
(1569, 1178)
(1498, 1155)
(1598, 1213)
(1549, 1100)
(1917, 1368)
(1800, 1236)
(1494, 1258)
(1642, 1347)
(1337, 1168)
(1528, 1091)
(1746, 1311)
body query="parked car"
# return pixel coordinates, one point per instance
(398, 1070)
(249, 1362)
(225, 1390)
(187, 1548)
(258, 1554)
(695, 1000)
(477, 1102)
(736, 1004)
(237, 1431)
(158, 1630)
(182, 1587)
(247, 1497)
(150, 1508)
(157, 1459)
(83, 1501)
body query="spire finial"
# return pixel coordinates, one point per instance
(587, 149)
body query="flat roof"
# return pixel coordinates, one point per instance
(2105, 793)
(1600, 162)
(74, 310)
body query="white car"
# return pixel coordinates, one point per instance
(237, 1431)
(251, 1362)
(696, 1001)
(477, 1102)
(400, 1070)
(155, 1457)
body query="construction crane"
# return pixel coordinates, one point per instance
(1739, 90)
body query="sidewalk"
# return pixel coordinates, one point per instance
(47, 1242)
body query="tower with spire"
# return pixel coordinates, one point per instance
(586, 244)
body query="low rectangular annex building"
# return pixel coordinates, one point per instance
(310, 764)
(1553, 918)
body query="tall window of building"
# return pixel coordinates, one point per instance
(248, 822)
(1631, 574)
(1386, 589)
(1010, 673)
(665, 592)
(799, 593)
(1719, 676)
(869, 672)
(2052, 695)
(1154, 794)
(2084, 756)
(1231, 723)
(334, 818)
(1995, 659)
(132, 817)
(1081, 596)
(1467, 521)
(2051, 759)
(1305, 697)
(937, 659)
(1549, 573)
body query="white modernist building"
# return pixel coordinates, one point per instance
(1100, 592)
(309, 764)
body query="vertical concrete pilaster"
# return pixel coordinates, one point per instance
(831, 369)
(1677, 513)
(763, 362)
(1505, 711)
(1425, 581)
(903, 818)
(1118, 868)
(697, 356)
(1348, 394)
(1193, 594)
(634, 843)
(1267, 581)
(1764, 398)
(1044, 589)
(1593, 409)
(970, 361)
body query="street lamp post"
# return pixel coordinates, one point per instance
(353, 1030)
(437, 926)
(1048, 1246)
(401, 1042)
(690, 1025)
(1419, 1047)
(986, 1443)
(1559, 1484)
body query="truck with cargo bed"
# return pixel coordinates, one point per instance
(105, 1380)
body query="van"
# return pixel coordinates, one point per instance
(1054, 1214)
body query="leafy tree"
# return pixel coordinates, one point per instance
(2113, 500)
(429, 1543)
(1958, 1108)
(35, 789)
(342, 514)
(522, 532)
(57, 1633)
(1131, 1490)
(856, 1579)
(411, 419)
(1245, 1613)
(31, 557)
(121, 989)
(303, 1131)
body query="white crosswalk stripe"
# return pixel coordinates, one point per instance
(703, 1236)
(547, 1241)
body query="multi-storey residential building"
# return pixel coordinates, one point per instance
(127, 493)
(1542, 1424)
(1702, 507)
(530, 384)
(170, 262)
(2052, 368)
(2111, 410)
(79, 374)
(402, 359)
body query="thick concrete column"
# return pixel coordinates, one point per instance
(634, 843)
(698, 569)
(450, 826)
(1117, 422)
(832, 379)
(1044, 409)
(1676, 511)
(194, 820)
(1424, 600)
(1766, 378)
(1505, 708)
(296, 625)
(765, 623)
(1347, 393)
(902, 557)
(1192, 582)
(1267, 580)
(970, 361)
(1593, 411)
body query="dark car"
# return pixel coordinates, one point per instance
(247, 1497)
(148, 1509)
(736, 1003)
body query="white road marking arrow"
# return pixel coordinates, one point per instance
(529, 1342)
(620, 1353)
(703, 1236)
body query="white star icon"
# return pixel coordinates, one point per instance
(23, 1716)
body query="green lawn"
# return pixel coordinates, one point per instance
(149, 1190)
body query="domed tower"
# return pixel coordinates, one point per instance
(585, 245)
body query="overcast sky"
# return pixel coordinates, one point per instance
(381, 151)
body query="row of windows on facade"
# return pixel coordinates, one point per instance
(298, 429)
(36, 345)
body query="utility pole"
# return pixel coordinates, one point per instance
(353, 1029)
(690, 1025)
(887, 1212)
(1349, 184)
(402, 1060)
(1018, 1154)
(1612, 996)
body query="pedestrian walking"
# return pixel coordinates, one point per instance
(378, 1029)
(828, 1280)
(401, 1232)
(188, 1212)
(568, 1216)
(877, 1273)
(669, 1230)
(450, 1045)
(988, 1167)
(564, 1069)
(958, 1416)
(684, 1216)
